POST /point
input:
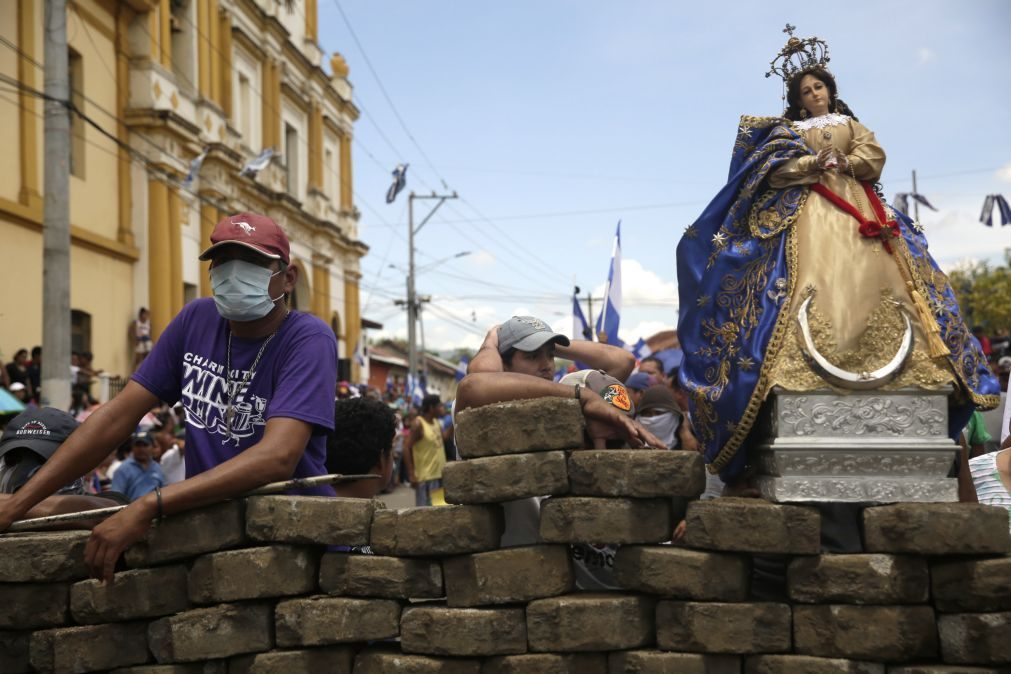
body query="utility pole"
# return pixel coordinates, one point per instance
(56, 213)
(412, 299)
(421, 325)
(916, 202)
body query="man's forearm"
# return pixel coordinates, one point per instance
(613, 360)
(480, 389)
(102, 432)
(272, 459)
(487, 359)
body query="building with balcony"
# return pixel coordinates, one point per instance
(171, 81)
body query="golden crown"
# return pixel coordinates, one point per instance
(798, 56)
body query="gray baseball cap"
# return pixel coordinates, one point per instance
(526, 333)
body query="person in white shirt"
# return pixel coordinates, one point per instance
(173, 456)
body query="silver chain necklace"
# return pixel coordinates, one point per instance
(246, 378)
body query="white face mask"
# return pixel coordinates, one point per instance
(663, 426)
(241, 290)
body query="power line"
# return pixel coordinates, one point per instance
(153, 169)
(492, 234)
(382, 264)
(455, 320)
(386, 94)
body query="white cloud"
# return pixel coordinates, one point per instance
(925, 55)
(642, 286)
(643, 329)
(482, 258)
(1004, 173)
(957, 235)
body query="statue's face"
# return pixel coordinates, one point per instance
(814, 95)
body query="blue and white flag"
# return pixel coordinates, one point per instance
(359, 356)
(195, 165)
(257, 163)
(416, 389)
(1003, 210)
(399, 181)
(610, 315)
(461, 367)
(580, 328)
(639, 350)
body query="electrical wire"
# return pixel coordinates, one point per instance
(386, 95)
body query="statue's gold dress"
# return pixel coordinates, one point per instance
(854, 320)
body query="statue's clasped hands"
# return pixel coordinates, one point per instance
(828, 159)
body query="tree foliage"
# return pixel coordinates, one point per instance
(984, 293)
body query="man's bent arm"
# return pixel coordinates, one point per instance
(477, 390)
(487, 359)
(613, 360)
(273, 458)
(100, 433)
(604, 421)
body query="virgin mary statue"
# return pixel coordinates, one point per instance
(798, 275)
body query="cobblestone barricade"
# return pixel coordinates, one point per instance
(259, 586)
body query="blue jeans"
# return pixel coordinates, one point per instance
(423, 492)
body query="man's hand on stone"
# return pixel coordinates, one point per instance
(113, 536)
(604, 422)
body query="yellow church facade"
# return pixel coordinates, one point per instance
(161, 83)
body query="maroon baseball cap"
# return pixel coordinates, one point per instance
(256, 232)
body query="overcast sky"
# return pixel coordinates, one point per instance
(555, 119)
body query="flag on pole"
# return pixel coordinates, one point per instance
(416, 389)
(195, 165)
(580, 328)
(399, 181)
(461, 367)
(359, 356)
(610, 315)
(257, 164)
(901, 201)
(640, 350)
(1003, 210)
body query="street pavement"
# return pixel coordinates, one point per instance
(400, 497)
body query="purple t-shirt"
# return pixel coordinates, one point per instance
(296, 378)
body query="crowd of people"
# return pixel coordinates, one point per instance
(22, 378)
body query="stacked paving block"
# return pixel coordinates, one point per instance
(282, 584)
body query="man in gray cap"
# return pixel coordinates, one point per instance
(517, 361)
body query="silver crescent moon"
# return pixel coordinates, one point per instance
(844, 378)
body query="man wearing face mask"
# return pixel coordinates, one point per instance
(256, 381)
(659, 414)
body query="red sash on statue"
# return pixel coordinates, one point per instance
(881, 228)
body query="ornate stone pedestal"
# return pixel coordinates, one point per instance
(865, 446)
